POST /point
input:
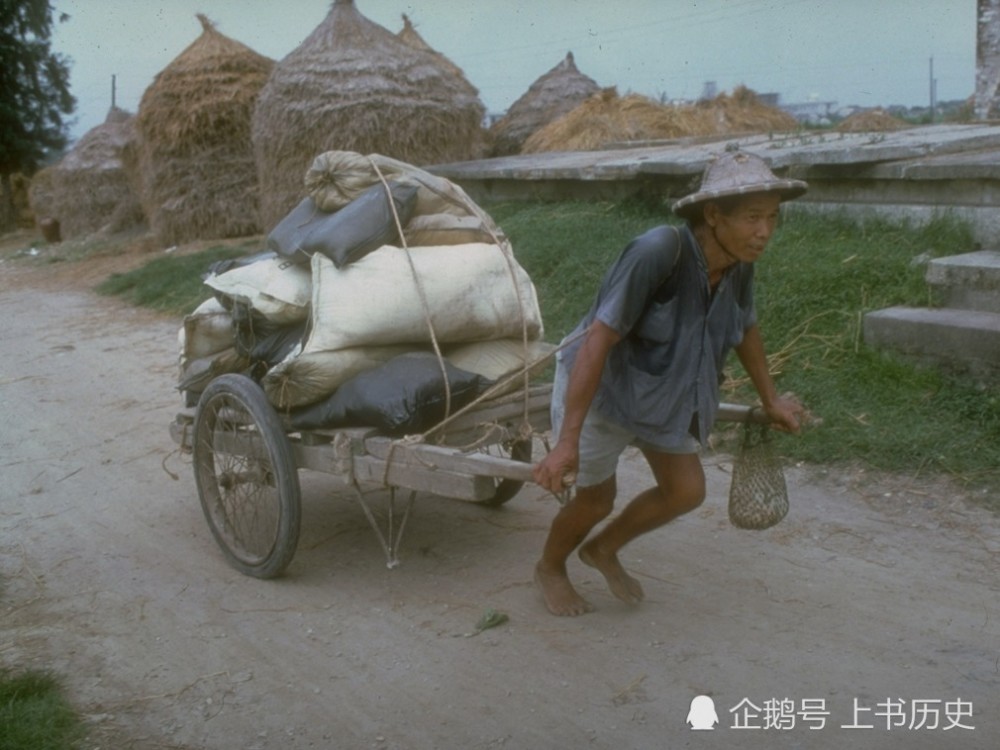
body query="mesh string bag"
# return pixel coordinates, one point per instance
(758, 495)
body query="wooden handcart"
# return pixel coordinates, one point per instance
(247, 458)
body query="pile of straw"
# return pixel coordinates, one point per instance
(743, 112)
(353, 85)
(195, 153)
(607, 118)
(870, 120)
(88, 189)
(551, 96)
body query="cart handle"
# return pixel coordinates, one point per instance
(741, 413)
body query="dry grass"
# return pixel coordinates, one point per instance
(195, 155)
(607, 117)
(871, 120)
(353, 85)
(743, 112)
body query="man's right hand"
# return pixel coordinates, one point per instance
(557, 470)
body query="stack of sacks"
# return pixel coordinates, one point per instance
(207, 348)
(255, 319)
(338, 278)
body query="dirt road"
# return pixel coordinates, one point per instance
(875, 604)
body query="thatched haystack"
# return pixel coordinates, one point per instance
(409, 35)
(88, 189)
(353, 85)
(195, 153)
(19, 184)
(870, 121)
(551, 96)
(607, 118)
(42, 194)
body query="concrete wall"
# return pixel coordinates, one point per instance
(987, 100)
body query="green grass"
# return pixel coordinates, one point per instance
(567, 247)
(167, 283)
(814, 285)
(819, 277)
(34, 714)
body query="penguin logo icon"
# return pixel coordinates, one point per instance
(702, 714)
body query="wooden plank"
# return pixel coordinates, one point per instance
(432, 458)
(369, 469)
(403, 472)
(324, 459)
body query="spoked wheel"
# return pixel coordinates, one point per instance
(246, 477)
(516, 450)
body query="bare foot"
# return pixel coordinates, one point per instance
(622, 585)
(559, 595)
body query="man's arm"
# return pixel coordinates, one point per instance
(786, 413)
(563, 459)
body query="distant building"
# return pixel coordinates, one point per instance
(812, 113)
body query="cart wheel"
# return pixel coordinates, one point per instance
(246, 477)
(516, 450)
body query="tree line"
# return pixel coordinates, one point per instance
(35, 99)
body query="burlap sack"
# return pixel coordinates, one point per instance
(469, 290)
(275, 287)
(499, 359)
(207, 330)
(335, 178)
(312, 376)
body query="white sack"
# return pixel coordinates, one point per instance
(445, 229)
(469, 289)
(275, 287)
(206, 331)
(311, 377)
(501, 358)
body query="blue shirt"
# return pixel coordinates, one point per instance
(661, 380)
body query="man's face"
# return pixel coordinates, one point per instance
(744, 232)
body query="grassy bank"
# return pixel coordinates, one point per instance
(171, 283)
(818, 278)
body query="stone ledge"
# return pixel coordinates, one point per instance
(970, 281)
(966, 341)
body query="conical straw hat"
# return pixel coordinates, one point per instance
(738, 173)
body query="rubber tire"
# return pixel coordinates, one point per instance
(252, 503)
(519, 450)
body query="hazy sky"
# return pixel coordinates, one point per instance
(863, 52)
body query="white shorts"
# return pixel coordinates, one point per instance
(602, 441)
